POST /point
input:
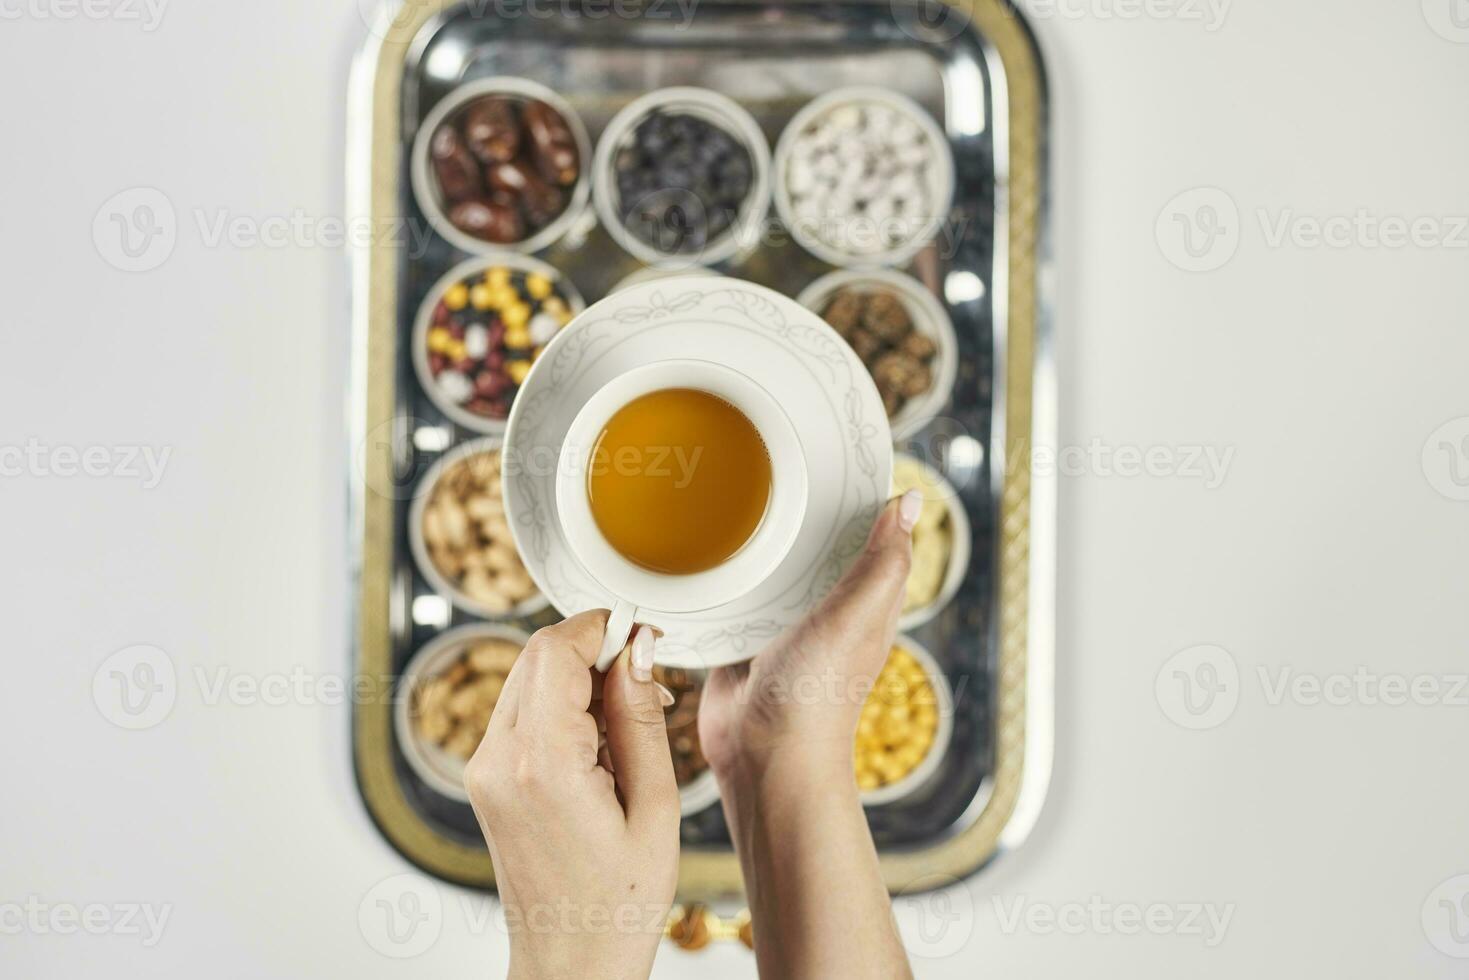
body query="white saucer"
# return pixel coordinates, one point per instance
(789, 351)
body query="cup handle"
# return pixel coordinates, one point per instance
(619, 627)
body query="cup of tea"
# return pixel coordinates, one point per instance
(681, 486)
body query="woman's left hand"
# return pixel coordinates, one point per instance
(584, 842)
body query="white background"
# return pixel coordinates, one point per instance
(1327, 546)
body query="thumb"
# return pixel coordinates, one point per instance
(870, 595)
(637, 738)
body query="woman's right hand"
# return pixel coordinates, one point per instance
(778, 733)
(796, 705)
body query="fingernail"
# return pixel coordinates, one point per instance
(642, 654)
(665, 696)
(909, 507)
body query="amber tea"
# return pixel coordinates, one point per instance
(679, 480)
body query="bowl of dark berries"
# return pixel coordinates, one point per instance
(480, 329)
(682, 178)
(900, 331)
(501, 163)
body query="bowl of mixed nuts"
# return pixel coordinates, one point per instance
(460, 537)
(941, 541)
(905, 727)
(900, 331)
(501, 163)
(448, 691)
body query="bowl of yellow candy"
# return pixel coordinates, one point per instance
(905, 727)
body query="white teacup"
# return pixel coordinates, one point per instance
(641, 594)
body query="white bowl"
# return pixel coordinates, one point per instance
(418, 547)
(929, 318)
(743, 233)
(418, 340)
(941, 176)
(442, 772)
(937, 488)
(426, 185)
(925, 769)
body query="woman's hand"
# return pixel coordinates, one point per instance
(584, 838)
(779, 734)
(797, 704)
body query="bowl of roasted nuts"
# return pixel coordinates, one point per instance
(681, 178)
(941, 541)
(697, 789)
(460, 538)
(900, 331)
(479, 330)
(446, 696)
(501, 163)
(905, 726)
(863, 176)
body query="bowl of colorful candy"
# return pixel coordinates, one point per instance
(480, 329)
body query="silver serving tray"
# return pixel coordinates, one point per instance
(962, 63)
